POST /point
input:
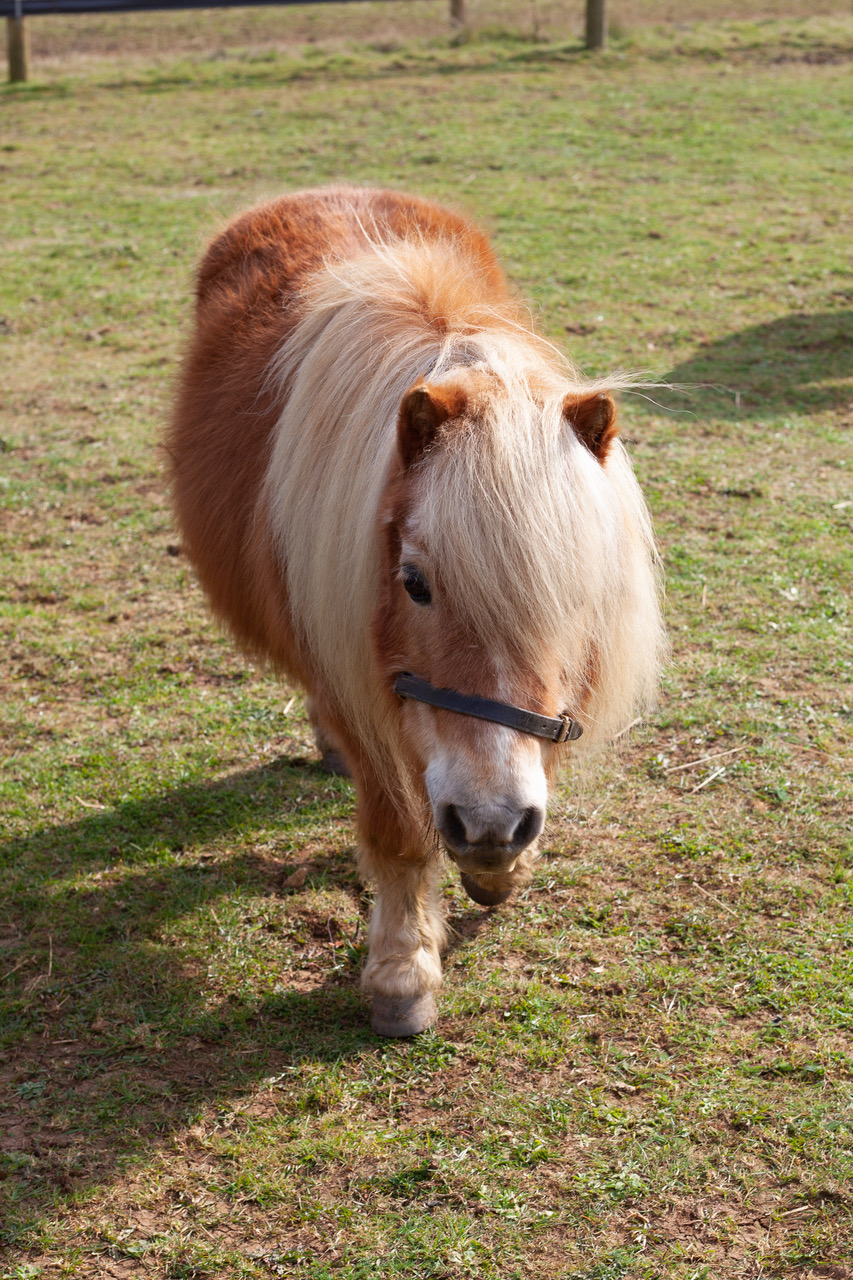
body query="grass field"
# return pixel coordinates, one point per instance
(644, 1066)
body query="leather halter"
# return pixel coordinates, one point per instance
(555, 728)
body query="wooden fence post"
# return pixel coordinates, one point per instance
(16, 45)
(596, 24)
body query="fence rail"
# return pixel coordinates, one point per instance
(32, 8)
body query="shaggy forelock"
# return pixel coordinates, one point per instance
(544, 552)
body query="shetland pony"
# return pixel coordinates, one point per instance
(382, 472)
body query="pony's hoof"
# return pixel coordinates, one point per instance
(485, 897)
(408, 1016)
(333, 762)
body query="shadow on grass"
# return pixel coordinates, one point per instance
(113, 1035)
(79, 1111)
(797, 364)
(496, 52)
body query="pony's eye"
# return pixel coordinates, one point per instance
(416, 584)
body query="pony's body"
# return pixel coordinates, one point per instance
(379, 467)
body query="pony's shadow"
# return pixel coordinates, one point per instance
(74, 941)
(105, 1021)
(800, 363)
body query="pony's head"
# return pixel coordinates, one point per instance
(518, 567)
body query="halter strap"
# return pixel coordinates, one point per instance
(555, 728)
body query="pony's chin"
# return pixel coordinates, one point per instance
(492, 887)
(480, 894)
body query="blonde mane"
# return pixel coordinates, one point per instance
(572, 569)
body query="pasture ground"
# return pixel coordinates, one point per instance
(643, 1066)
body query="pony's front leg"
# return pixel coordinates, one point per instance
(407, 929)
(333, 759)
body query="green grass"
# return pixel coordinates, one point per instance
(643, 1066)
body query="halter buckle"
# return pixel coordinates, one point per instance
(570, 730)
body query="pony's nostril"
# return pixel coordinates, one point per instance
(452, 827)
(532, 822)
(467, 830)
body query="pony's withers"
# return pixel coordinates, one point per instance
(379, 467)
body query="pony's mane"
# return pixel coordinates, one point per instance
(567, 541)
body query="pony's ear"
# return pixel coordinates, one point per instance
(423, 412)
(593, 419)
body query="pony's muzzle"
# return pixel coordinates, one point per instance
(488, 840)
